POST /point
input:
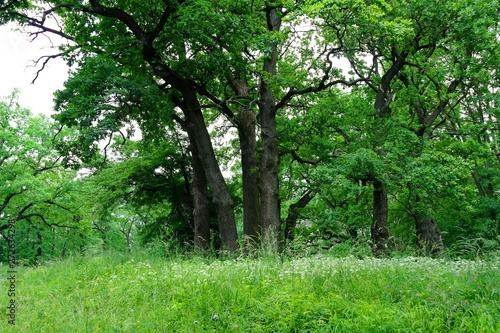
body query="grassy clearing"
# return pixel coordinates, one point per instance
(315, 294)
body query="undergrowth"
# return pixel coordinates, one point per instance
(144, 293)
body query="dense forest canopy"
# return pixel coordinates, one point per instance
(261, 124)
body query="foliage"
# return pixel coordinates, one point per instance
(148, 184)
(102, 100)
(36, 192)
(399, 97)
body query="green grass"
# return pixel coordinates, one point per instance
(115, 293)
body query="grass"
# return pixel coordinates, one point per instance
(116, 293)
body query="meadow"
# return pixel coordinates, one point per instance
(321, 293)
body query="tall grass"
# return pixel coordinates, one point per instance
(117, 293)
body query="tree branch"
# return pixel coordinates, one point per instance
(299, 159)
(41, 217)
(321, 86)
(384, 96)
(45, 62)
(97, 8)
(9, 197)
(226, 110)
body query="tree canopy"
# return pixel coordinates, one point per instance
(259, 119)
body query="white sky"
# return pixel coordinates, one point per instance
(16, 71)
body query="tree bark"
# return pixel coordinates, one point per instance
(379, 229)
(294, 213)
(250, 175)
(246, 124)
(429, 240)
(269, 183)
(201, 210)
(221, 197)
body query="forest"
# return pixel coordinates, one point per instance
(365, 127)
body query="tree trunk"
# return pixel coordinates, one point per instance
(294, 213)
(198, 187)
(269, 184)
(246, 123)
(379, 227)
(63, 251)
(201, 210)
(428, 234)
(429, 241)
(251, 199)
(485, 191)
(39, 246)
(383, 100)
(221, 196)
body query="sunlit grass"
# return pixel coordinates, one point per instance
(115, 293)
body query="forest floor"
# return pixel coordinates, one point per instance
(141, 293)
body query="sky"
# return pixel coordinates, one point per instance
(17, 71)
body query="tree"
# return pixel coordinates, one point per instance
(263, 66)
(118, 29)
(191, 63)
(403, 49)
(36, 193)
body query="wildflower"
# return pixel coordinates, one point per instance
(215, 316)
(196, 322)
